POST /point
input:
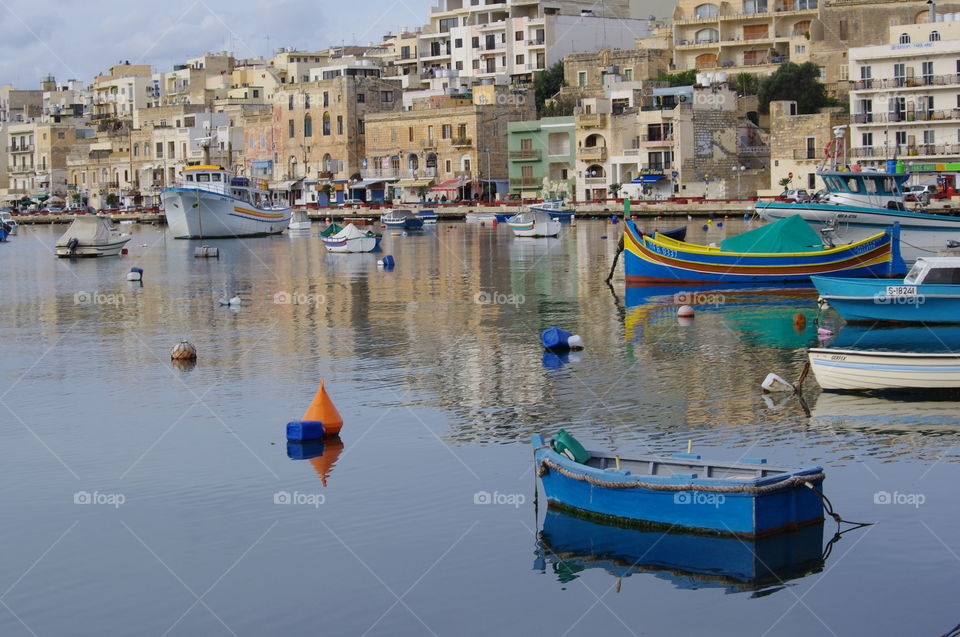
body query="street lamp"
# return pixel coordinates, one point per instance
(487, 151)
(738, 170)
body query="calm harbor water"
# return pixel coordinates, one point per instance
(142, 498)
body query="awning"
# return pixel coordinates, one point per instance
(647, 179)
(284, 185)
(414, 183)
(453, 184)
(365, 183)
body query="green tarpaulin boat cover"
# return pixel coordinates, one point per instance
(792, 234)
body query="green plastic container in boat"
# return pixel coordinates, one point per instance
(566, 445)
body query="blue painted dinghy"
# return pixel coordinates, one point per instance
(930, 293)
(571, 544)
(748, 498)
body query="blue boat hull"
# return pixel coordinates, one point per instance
(407, 224)
(867, 300)
(688, 561)
(696, 509)
(647, 260)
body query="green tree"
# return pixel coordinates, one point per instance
(683, 78)
(422, 192)
(113, 201)
(615, 190)
(745, 84)
(785, 183)
(795, 82)
(546, 85)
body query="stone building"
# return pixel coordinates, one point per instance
(323, 131)
(19, 104)
(123, 90)
(454, 146)
(598, 69)
(37, 158)
(797, 144)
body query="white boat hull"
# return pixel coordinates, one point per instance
(853, 370)
(299, 225)
(358, 244)
(920, 234)
(200, 214)
(540, 229)
(81, 251)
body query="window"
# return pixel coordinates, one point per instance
(582, 78)
(290, 103)
(934, 36)
(706, 36)
(627, 75)
(326, 123)
(926, 73)
(306, 100)
(446, 166)
(900, 138)
(446, 131)
(290, 129)
(476, 65)
(928, 137)
(386, 96)
(430, 133)
(326, 99)
(519, 60)
(811, 147)
(361, 129)
(458, 43)
(339, 124)
(706, 11)
(800, 49)
(263, 141)
(899, 74)
(307, 125)
(410, 134)
(171, 149)
(904, 38)
(754, 6)
(518, 36)
(475, 42)
(459, 66)
(866, 140)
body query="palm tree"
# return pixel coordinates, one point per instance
(327, 190)
(615, 190)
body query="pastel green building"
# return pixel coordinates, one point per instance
(542, 156)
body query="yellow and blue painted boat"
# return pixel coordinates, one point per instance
(786, 250)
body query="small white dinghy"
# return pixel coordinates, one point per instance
(91, 236)
(299, 221)
(350, 239)
(534, 223)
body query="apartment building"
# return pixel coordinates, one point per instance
(456, 147)
(542, 157)
(905, 97)
(37, 157)
(19, 104)
(123, 90)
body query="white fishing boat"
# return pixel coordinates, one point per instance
(863, 370)
(350, 239)
(861, 203)
(7, 220)
(91, 236)
(210, 202)
(534, 223)
(300, 220)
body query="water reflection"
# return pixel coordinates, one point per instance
(570, 545)
(322, 454)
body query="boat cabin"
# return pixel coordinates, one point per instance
(878, 188)
(934, 271)
(219, 180)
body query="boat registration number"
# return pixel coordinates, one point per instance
(901, 290)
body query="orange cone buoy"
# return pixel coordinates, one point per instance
(322, 409)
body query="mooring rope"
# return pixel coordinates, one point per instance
(792, 482)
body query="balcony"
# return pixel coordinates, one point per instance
(595, 181)
(657, 140)
(428, 144)
(592, 153)
(907, 117)
(754, 151)
(592, 120)
(24, 148)
(526, 154)
(379, 173)
(876, 84)
(536, 43)
(807, 153)
(525, 182)
(462, 142)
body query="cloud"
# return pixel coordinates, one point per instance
(72, 41)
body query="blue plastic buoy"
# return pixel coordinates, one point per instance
(302, 430)
(704, 228)
(603, 236)
(305, 450)
(615, 220)
(388, 260)
(719, 224)
(554, 338)
(746, 216)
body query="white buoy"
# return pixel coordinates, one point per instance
(235, 300)
(575, 342)
(224, 301)
(685, 311)
(773, 383)
(135, 274)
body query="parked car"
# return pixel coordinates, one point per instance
(919, 191)
(798, 195)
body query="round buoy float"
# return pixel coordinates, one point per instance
(799, 321)
(183, 351)
(135, 274)
(685, 311)
(705, 228)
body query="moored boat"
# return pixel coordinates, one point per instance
(209, 202)
(556, 208)
(91, 236)
(487, 217)
(874, 370)
(930, 293)
(350, 239)
(428, 216)
(400, 219)
(745, 498)
(534, 223)
(7, 220)
(786, 250)
(299, 220)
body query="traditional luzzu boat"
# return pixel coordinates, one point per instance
(534, 223)
(930, 293)
(748, 498)
(209, 202)
(91, 236)
(399, 219)
(556, 208)
(350, 239)
(786, 250)
(865, 358)
(428, 216)
(859, 204)
(571, 544)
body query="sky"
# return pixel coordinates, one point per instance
(76, 40)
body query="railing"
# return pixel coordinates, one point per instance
(806, 153)
(657, 140)
(536, 42)
(526, 154)
(428, 143)
(753, 150)
(595, 181)
(949, 79)
(462, 141)
(525, 182)
(756, 36)
(910, 150)
(377, 173)
(25, 148)
(592, 120)
(907, 116)
(741, 15)
(593, 153)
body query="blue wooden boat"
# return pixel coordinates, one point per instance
(571, 544)
(401, 220)
(748, 498)
(556, 208)
(785, 250)
(930, 293)
(428, 216)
